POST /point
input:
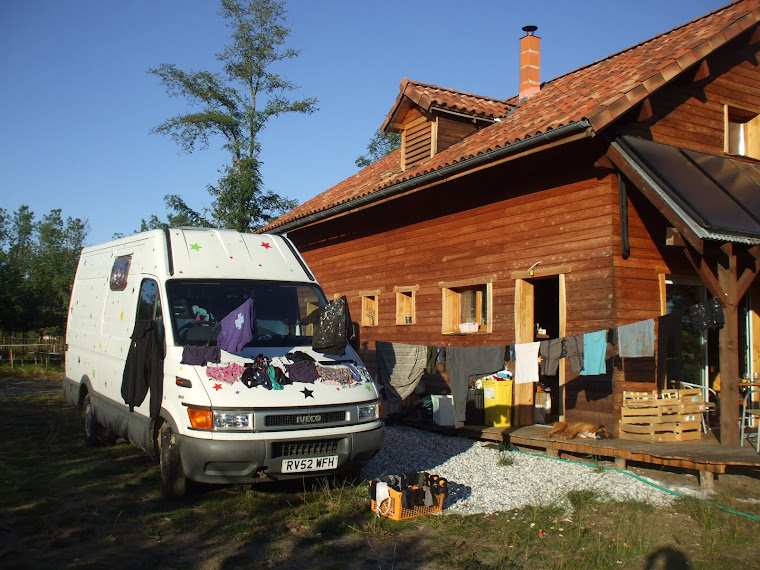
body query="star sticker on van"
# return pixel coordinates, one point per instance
(195, 246)
(265, 245)
(307, 393)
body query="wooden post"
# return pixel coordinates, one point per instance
(729, 350)
(522, 412)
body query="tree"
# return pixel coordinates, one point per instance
(236, 105)
(38, 261)
(380, 145)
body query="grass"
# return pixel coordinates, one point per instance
(505, 459)
(32, 371)
(65, 504)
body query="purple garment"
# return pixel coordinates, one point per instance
(302, 371)
(201, 355)
(237, 328)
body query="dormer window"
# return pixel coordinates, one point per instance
(431, 119)
(742, 132)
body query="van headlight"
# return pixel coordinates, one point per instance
(232, 420)
(368, 412)
(220, 420)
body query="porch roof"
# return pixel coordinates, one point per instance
(718, 198)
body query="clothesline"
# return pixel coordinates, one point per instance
(401, 366)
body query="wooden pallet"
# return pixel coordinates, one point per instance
(660, 432)
(672, 415)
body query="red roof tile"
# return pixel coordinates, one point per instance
(599, 92)
(428, 97)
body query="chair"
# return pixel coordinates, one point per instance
(750, 414)
(710, 406)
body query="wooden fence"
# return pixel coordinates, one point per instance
(43, 351)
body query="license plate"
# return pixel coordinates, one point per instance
(309, 464)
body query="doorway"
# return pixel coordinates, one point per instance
(540, 314)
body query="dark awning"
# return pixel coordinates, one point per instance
(717, 197)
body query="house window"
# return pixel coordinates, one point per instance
(369, 308)
(467, 306)
(742, 132)
(405, 310)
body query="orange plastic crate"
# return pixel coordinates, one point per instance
(393, 508)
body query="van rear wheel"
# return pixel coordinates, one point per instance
(173, 480)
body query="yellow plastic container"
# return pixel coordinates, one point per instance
(497, 400)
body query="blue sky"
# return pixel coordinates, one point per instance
(78, 104)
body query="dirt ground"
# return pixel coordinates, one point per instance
(69, 506)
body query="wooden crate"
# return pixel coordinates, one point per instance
(662, 432)
(639, 399)
(673, 415)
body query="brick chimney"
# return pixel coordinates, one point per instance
(530, 63)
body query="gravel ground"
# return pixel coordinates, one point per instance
(480, 483)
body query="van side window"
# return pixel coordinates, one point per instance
(149, 306)
(119, 273)
(148, 300)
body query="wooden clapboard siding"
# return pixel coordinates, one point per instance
(416, 138)
(422, 239)
(690, 114)
(451, 130)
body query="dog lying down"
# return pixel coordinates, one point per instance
(570, 430)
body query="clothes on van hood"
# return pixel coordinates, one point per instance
(201, 355)
(144, 369)
(238, 328)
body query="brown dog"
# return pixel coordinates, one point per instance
(579, 429)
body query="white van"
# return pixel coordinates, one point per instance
(205, 423)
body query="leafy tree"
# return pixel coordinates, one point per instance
(380, 145)
(38, 261)
(52, 267)
(15, 303)
(236, 105)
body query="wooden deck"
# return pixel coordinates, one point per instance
(706, 456)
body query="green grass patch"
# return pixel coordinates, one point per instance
(66, 504)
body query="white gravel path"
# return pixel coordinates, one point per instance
(479, 484)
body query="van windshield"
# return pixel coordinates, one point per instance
(198, 306)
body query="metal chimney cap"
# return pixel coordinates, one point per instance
(530, 29)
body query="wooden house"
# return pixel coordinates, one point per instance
(606, 196)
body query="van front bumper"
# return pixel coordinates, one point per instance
(253, 461)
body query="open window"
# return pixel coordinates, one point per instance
(742, 132)
(370, 304)
(405, 305)
(467, 306)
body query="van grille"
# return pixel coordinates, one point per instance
(307, 419)
(301, 448)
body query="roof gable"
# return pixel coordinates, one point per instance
(591, 97)
(430, 98)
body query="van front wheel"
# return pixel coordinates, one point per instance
(173, 480)
(94, 433)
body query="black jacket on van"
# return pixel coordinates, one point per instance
(332, 325)
(144, 368)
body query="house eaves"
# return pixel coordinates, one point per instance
(564, 131)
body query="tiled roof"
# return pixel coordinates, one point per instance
(599, 92)
(428, 97)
